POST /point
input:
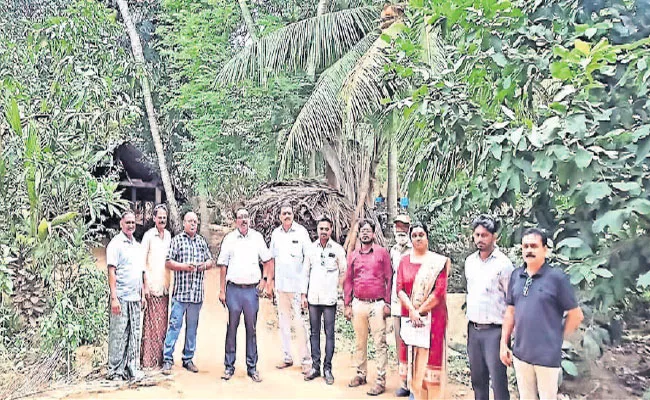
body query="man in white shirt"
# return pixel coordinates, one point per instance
(401, 248)
(325, 266)
(127, 282)
(488, 272)
(155, 244)
(241, 282)
(289, 243)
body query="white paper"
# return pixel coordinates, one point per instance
(412, 336)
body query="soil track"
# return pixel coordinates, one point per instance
(276, 383)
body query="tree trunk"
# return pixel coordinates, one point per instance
(333, 172)
(248, 20)
(136, 46)
(311, 74)
(391, 196)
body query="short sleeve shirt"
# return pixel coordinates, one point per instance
(487, 286)
(323, 268)
(242, 254)
(188, 286)
(127, 257)
(539, 328)
(289, 249)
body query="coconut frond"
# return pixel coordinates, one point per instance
(433, 50)
(329, 36)
(321, 117)
(364, 89)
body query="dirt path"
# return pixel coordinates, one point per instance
(286, 383)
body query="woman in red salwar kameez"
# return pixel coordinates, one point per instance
(422, 288)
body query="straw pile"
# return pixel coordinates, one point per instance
(310, 199)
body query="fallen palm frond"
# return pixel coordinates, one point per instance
(310, 199)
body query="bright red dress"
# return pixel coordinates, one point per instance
(405, 277)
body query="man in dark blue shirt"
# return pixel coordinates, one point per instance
(538, 296)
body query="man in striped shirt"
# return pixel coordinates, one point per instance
(189, 257)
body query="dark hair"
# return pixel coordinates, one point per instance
(537, 232)
(488, 222)
(421, 225)
(238, 209)
(160, 206)
(364, 221)
(324, 219)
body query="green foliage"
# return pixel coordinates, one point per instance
(551, 119)
(228, 134)
(66, 98)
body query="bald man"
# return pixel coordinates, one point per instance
(189, 257)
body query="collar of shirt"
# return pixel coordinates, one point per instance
(328, 245)
(241, 235)
(125, 239)
(291, 228)
(492, 255)
(540, 272)
(196, 235)
(371, 250)
(164, 234)
(402, 249)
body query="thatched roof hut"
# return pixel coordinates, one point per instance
(310, 199)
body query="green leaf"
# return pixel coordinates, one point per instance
(644, 281)
(13, 116)
(62, 219)
(500, 59)
(569, 367)
(572, 242)
(543, 165)
(597, 191)
(515, 135)
(561, 152)
(576, 124)
(583, 158)
(613, 219)
(641, 206)
(561, 70)
(603, 272)
(633, 187)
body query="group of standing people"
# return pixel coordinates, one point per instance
(405, 287)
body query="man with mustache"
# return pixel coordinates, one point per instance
(155, 243)
(538, 297)
(367, 293)
(189, 257)
(324, 267)
(402, 247)
(241, 283)
(289, 244)
(127, 281)
(488, 272)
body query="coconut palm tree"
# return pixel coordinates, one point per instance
(343, 118)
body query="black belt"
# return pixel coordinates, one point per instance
(370, 300)
(479, 327)
(248, 286)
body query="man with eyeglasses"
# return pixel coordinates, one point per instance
(324, 267)
(127, 281)
(488, 272)
(367, 292)
(155, 243)
(538, 297)
(241, 284)
(402, 247)
(289, 244)
(189, 257)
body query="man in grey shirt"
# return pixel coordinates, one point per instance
(127, 282)
(487, 271)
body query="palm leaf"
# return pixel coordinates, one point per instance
(330, 35)
(321, 118)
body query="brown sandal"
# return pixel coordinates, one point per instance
(376, 390)
(283, 365)
(357, 381)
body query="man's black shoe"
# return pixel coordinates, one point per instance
(255, 376)
(189, 365)
(167, 368)
(312, 374)
(227, 375)
(329, 378)
(401, 392)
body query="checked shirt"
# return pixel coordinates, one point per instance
(188, 286)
